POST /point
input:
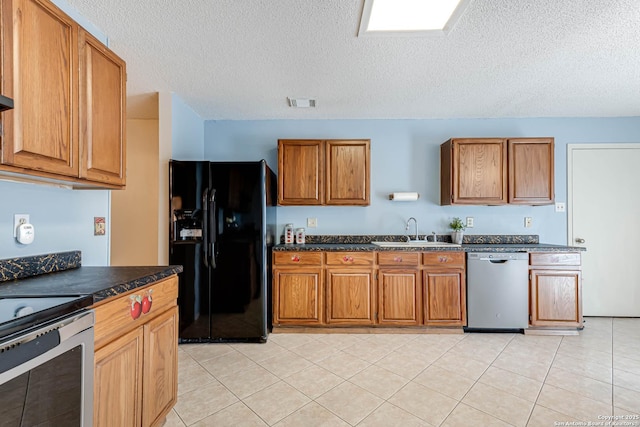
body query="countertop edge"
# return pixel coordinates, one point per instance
(130, 285)
(472, 247)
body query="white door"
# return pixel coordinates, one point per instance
(604, 209)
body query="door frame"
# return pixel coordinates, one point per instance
(571, 148)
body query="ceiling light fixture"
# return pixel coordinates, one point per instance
(301, 102)
(410, 17)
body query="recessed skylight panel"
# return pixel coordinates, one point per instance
(409, 17)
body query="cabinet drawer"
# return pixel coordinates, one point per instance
(443, 258)
(554, 258)
(399, 258)
(297, 258)
(115, 317)
(350, 258)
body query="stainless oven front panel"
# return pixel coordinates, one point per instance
(46, 374)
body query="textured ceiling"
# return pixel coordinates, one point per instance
(240, 59)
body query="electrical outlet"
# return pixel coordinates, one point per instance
(312, 222)
(560, 207)
(469, 222)
(17, 220)
(528, 221)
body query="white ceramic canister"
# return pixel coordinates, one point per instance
(300, 236)
(288, 234)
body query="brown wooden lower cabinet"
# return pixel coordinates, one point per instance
(445, 297)
(555, 290)
(298, 296)
(136, 360)
(556, 298)
(350, 296)
(118, 381)
(386, 288)
(399, 297)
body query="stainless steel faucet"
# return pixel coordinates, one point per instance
(406, 227)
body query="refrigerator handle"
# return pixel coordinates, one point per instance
(212, 226)
(205, 231)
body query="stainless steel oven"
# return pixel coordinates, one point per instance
(46, 370)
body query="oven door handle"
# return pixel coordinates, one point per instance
(28, 350)
(35, 343)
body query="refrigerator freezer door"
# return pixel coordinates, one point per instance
(188, 192)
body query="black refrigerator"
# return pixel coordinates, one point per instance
(222, 227)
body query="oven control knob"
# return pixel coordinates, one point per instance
(23, 311)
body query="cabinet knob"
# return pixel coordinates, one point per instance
(398, 259)
(443, 259)
(579, 240)
(140, 304)
(347, 258)
(295, 258)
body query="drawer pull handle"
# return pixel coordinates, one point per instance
(136, 306)
(295, 258)
(347, 258)
(397, 259)
(140, 304)
(443, 259)
(146, 302)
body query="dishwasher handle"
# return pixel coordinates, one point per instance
(498, 261)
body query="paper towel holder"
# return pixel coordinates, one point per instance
(404, 196)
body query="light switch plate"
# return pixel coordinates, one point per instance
(312, 222)
(528, 221)
(99, 226)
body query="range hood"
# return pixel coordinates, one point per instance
(5, 103)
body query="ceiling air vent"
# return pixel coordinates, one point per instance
(301, 102)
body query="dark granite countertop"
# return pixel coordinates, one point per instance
(364, 247)
(99, 282)
(471, 243)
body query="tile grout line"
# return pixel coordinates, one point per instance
(396, 347)
(544, 380)
(476, 382)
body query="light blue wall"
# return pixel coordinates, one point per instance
(405, 157)
(187, 131)
(63, 219)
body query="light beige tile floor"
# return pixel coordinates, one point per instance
(415, 380)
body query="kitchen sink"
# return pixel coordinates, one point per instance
(415, 244)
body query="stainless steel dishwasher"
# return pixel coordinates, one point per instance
(497, 291)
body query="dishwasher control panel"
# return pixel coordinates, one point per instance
(487, 256)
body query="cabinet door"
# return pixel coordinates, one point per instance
(40, 72)
(399, 297)
(102, 112)
(160, 375)
(445, 297)
(556, 298)
(300, 172)
(473, 171)
(347, 172)
(118, 381)
(531, 167)
(350, 297)
(298, 296)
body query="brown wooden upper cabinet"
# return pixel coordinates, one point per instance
(497, 171)
(324, 172)
(69, 96)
